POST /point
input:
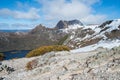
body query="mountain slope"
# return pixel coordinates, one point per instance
(106, 33)
(37, 37)
(71, 33)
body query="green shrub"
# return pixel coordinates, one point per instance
(44, 49)
(1, 56)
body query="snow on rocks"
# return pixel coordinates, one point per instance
(114, 25)
(109, 44)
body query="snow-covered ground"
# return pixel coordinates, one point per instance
(100, 32)
(104, 44)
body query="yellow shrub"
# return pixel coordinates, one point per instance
(44, 49)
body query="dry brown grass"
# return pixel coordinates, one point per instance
(31, 65)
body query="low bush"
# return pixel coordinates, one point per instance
(31, 64)
(44, 49)
(1, 56)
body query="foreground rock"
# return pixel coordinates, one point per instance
(101, 64)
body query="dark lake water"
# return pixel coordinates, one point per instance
(15, 30)
(15, 54)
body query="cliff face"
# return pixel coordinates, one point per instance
(65, 24)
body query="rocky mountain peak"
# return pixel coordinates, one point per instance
(61, 24)
(73, 22)
(64, 24)
(105, 23)
(38, 28)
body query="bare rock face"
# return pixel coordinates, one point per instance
(61, 24)
(97, 65)
(64, 24)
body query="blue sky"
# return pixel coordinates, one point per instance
(26, 14)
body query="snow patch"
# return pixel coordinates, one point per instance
(114, 25)
(75, 26)
(90, 26)
(105, 44)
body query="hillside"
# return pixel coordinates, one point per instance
(106, 35)
(101, 64)
(39, 36)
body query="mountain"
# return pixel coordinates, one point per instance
(100, 36)
(71, 33)
(65, 24)
(38, 36)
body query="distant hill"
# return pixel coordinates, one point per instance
(37, 37)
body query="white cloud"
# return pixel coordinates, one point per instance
(21, 5)
(90, 2)
(5, 12)
(21, 26)
(94, 19)
(32, 14)
(55, 10)
(74, 9)
(8, 26)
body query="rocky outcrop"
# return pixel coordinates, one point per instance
(101, 64)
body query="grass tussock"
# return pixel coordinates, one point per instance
(44, 49)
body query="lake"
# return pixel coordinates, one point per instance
(15, 54)
(15, 30)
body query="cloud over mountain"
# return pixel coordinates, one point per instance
(49, 12)
(71, 9)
